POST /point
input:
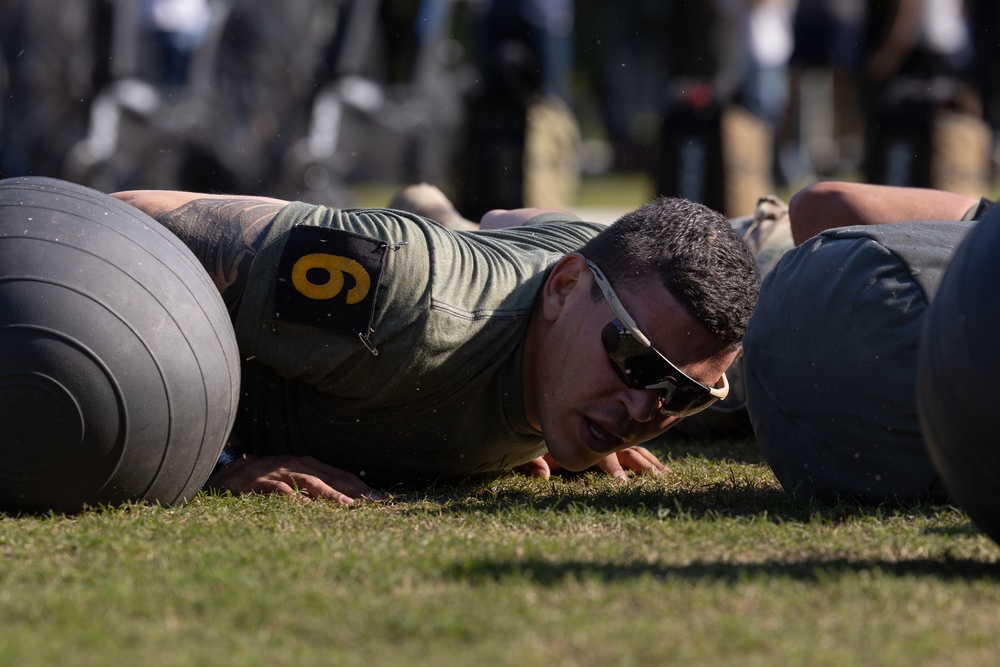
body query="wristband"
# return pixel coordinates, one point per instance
(227, 456)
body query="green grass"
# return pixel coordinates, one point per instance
(711, 565)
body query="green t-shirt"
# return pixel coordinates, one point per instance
(442, 397)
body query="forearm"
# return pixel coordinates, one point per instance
(157, 202)
(831, 204)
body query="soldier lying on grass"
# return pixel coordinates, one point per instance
(380, 347)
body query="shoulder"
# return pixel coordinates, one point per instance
(387, 225)
(561, 233)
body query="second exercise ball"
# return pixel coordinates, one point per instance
(959, 360)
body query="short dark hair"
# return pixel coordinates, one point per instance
(696, 254)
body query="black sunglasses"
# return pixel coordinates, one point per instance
(641, 366)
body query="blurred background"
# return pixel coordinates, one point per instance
(501, 103)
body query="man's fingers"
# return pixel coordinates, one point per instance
(310, 486)
(611, 465)
(343, 481)
(280, 488)
(304, 479)
(642, 461)
(536, 467)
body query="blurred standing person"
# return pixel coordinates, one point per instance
(827, 37)
(918, 38)
(984, 21)
(697, 87)
(55, 58)
(711, 148)
(923, 112)
(768, 44)
(522, 140)
(542, 28)
(177, 29)
(768, 47)
(620, 45)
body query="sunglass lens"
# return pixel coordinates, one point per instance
(684, 401)
(639, 367)
(625, 354)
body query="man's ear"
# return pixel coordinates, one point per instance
(567, 275)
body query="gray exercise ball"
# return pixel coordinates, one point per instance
(831, 362)
(959, 358)
(119, 372)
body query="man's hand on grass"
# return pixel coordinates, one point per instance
(304, 478)
(637, 459)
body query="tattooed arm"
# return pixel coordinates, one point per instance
(223, 231)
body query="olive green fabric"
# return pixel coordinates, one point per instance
(442, 397)
(831, 358)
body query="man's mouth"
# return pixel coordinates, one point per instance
(599, 439)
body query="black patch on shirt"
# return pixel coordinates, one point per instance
(329, 278)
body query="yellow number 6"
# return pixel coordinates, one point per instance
(336, 267)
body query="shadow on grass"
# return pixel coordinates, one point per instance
(738, 450)
(809, 570)
(737, 498)
(968, 528)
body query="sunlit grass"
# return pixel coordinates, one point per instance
(712, 564)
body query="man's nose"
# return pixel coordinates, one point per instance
(643, 404)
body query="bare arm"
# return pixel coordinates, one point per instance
(223, 231)
(831, 204)
(502, 218)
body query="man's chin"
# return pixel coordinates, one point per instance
(577, 459)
